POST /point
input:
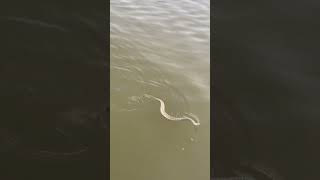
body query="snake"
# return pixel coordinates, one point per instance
(169, 117)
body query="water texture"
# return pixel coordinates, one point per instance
(160, 48)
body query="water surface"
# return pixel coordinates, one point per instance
(159, 48)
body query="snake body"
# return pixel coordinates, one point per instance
(169, 117)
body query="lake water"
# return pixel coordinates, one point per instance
(160, 48)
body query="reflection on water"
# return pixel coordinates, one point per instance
(161, 48)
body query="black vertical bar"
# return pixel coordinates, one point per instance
(266, 90)
(108, 90)
(212, 91)
(54, 92)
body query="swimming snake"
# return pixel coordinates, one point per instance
(169, 117)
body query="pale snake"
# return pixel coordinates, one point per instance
(169, 117)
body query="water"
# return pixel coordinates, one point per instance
(159, 48)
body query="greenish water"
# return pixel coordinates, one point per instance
(159, 48)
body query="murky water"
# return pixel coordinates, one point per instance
(160, 48)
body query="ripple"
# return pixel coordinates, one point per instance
(160, 46)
